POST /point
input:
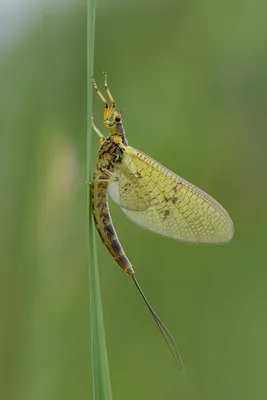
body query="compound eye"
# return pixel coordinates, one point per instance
(117, 119)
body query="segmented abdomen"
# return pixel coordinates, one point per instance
(105, 226)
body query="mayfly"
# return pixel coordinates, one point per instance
(150, 195)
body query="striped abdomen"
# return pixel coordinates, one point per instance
(105, 226)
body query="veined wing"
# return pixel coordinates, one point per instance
(128, 191)
(162, 202)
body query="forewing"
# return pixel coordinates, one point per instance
(172, 206)
(127, 190)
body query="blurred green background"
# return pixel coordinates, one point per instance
(190, 79)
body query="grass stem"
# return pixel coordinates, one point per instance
(100, 369)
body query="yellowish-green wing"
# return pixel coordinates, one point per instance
(128, 191)
(162, 202)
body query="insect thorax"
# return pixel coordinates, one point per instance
(110, 153)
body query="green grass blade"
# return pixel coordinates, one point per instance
(100, 370)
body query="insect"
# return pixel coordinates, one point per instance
(151, 196)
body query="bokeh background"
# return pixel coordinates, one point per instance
(190, 79)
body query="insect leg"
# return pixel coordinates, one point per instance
(110, 179)
(107, 107)
(111, 99)
(102, 137)
(102, 180)
(111, 176)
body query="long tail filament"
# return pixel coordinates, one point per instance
(163, 329)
